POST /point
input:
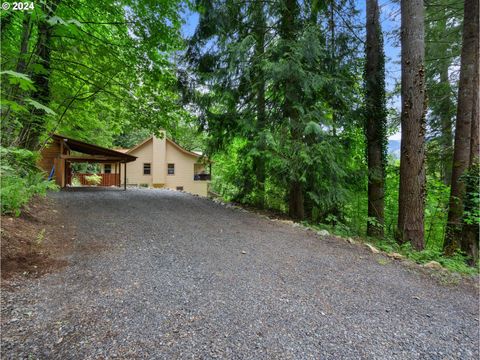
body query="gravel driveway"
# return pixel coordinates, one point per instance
(158, 274)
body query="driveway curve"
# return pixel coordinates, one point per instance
(157, 274)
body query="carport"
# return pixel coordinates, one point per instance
(57, 157)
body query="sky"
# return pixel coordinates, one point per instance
(390, 21)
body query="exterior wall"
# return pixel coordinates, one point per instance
(159, 153)
(102, 168)
(184, 171)
(48, 156)
(135, 175)
(198, 168)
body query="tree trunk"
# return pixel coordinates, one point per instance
(26, 32)
(34, 127)
(465, 110)
(333, 64)
(5, 23)
(259, 162)
(470, 230)
(8, 127)
(295, 205)
(375, 120)
(446, 129)
(288, 32)
(412, 159)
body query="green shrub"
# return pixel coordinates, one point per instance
(20, 179)
(93, 179)
(76, 181)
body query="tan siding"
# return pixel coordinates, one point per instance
(135, 175)
(102, 168)
(184, 168)
(184, 171)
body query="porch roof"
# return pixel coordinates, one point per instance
(97, 153)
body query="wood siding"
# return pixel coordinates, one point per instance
(48, 156)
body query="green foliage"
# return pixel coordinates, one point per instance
(436, 212)
(20, 79)
(471, 177)
(93, 179)
(86, 168)
(442, 51)
(309, 134)
(129, 139)
(39, 106)
(455, 263)
(20, 179)
(76, 181)
(109, 71)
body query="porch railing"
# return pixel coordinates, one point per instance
(202, 177)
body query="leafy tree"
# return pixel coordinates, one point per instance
(101, 67)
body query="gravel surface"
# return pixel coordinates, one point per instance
(159, 274)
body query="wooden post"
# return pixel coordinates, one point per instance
(125, 177)
(65, 174)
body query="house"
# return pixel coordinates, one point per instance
(161, 163)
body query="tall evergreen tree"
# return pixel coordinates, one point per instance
(289, 25)
(442, 52)
(466, 114)
(34, 126)
(375, 120)
(259, 84)
(471, 226)
(411, 203)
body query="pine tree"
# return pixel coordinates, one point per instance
(259, 84)
(289, 25)
(411, 204)
(375, 120)
(467, 113)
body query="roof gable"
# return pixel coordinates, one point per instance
(185, 151)
(171, 142)
(139, 145)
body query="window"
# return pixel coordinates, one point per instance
(107, 168)
(171, 169)
(146, 169)
(180, 188)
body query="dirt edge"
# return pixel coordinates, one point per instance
(35, 243)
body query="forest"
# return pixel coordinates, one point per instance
(291, 100)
